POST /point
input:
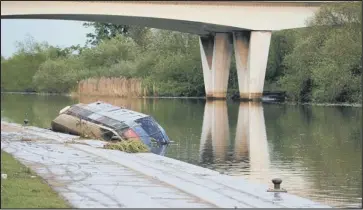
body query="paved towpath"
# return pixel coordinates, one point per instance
(89, 176)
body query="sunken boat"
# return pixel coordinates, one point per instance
(100, 120)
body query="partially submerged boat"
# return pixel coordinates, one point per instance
(101, 120)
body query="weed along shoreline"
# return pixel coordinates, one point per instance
(71, 166)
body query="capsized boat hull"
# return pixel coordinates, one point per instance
(69, 124)
(105, 121)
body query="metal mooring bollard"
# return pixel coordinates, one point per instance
(26, 122)
(277, 182)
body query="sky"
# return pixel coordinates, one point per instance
(60, 33)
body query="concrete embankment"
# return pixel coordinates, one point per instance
(89, 176)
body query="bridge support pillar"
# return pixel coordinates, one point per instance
(216, 52)
(215, 139)
(251, 51)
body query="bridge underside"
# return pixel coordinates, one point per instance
(191, 27)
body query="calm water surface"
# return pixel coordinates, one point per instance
(317, 151)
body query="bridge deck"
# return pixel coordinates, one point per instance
(89, 176)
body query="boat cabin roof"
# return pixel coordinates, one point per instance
(100, 108)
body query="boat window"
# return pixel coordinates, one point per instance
(151, 128)
(79, 112)
(142, 134)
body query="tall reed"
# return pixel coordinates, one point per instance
(116, 86)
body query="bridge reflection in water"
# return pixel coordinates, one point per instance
(248, 155)
(215, 138)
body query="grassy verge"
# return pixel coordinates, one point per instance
(24, 189)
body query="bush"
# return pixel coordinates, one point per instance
(57, 76)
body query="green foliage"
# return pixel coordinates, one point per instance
(110, 52)
(338, 14)
(107, 31)
(112, 58)
(57, 76)
(325, 64)
(177, 69)
(282, 44)
(104, 31)
(17, 71)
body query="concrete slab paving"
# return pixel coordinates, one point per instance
(83, 187)
(89, 176)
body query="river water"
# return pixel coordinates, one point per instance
(315, 150)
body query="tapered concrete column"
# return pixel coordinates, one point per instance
(220, 129)
(251, 51)
(241, 143)
(215, 131)
(241, 42)
(251, 140)
(216, 54)
(206, 131)
(258, 145)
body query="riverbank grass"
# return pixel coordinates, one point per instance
(24, 189)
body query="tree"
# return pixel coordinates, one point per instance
(57, 76)
(325, 64)
(282, 43)
(18, 70)
(103, 31)
(107, 31)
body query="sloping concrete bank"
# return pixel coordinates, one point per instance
(89, 176)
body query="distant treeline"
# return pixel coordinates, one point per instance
(320, 63)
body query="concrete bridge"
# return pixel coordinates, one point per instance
(222, 26)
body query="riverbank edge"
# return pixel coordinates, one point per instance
(357, 105)
(184, 176)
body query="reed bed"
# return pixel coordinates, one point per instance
(116, 86)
